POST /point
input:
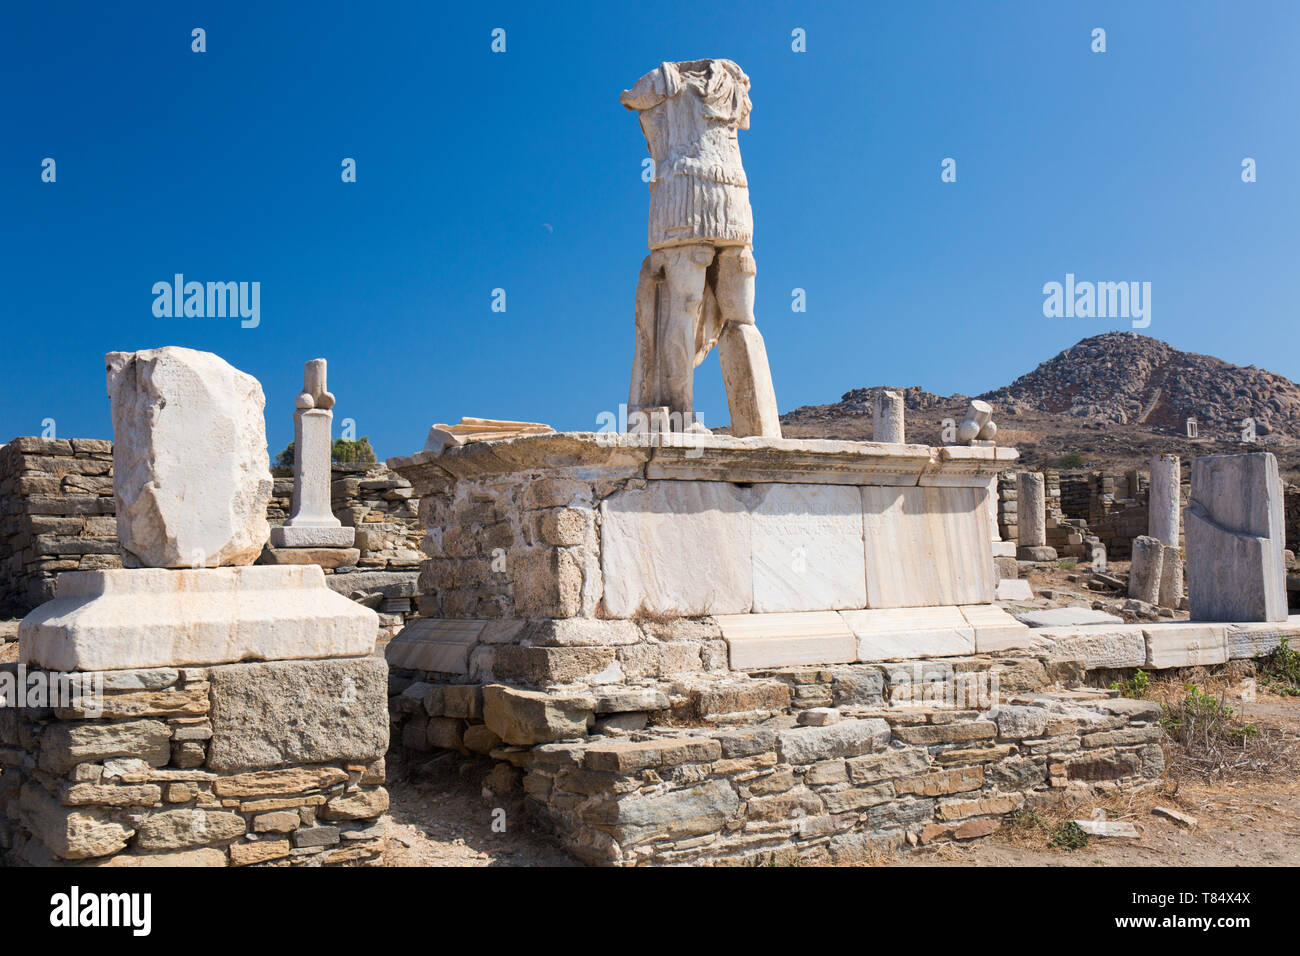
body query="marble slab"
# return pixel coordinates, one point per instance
(676, 548)
(758, 641)
(926, 547)
(891, 634)
(807, 549)
(996, 630)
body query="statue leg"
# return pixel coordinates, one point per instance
(745, 371)
(681, 299)
(641, 394)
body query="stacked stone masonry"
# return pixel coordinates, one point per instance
(1114, 507)
(725, 770)
(1291, 515)
(57, 513)
(201, 767)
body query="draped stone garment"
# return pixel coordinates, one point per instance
(690, 113)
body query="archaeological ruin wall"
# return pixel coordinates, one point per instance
(57, 513)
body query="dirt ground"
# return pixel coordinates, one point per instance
(442, 816)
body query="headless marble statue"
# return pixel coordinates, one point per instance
(696, 288)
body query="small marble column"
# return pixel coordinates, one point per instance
(1031, 506)
(1146, 570)
(888, 418)
(1163, 508)
(311, 523)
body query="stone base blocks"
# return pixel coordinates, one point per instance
(822, 764)
(835, 794)
(645, 749)
(149, 617)
(56, 515)
(172, 744)
(195, 766)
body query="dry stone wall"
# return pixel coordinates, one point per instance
(1291, 516)
(199, 766)
(1069, 535)
(57, 513)
(753, 769)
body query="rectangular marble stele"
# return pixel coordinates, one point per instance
(807, 549)
(927, 546)
(892, 634)
(787, 640)
(1235, 536)
(148, 617)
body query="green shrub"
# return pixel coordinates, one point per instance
(1135, 687)
(1068, 835)
(345, 450)
(1071, 461)
(1279, 670)
(1201, 718)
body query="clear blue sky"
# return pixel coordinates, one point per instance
(522, 171)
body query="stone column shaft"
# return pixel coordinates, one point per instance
(1163, 509)
(888, 418)
(1031, 505)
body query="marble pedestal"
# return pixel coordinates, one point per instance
(153, 617)
(771, 535)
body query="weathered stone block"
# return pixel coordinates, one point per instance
(872, 768)
(362, 805)
(942, 782)
(1016, 723)
(553, 665)
(70, 835)
(191, 474)
(630, 756)
(178, 829)
(1112, 646)
(521, 717)
(64, 745)
(1185, 644)
(290, 780)
(805, 745)
(286, 712)
(959, 732)
(1251, 640)
(637, 819)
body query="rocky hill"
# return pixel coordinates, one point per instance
(1112, 399)
(1127, 378)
